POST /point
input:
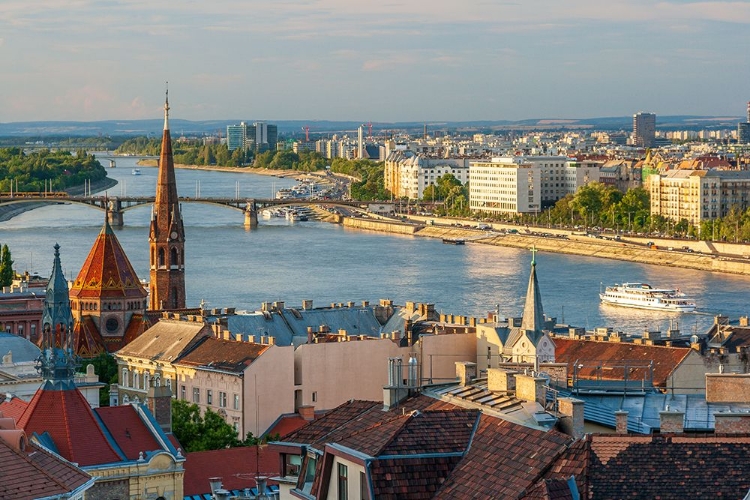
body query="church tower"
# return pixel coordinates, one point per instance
(57, 362)
(167, 234)
(107, 299)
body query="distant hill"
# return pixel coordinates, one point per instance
(295, 127)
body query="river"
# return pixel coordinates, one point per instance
(231, 266)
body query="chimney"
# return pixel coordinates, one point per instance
(671, 421)
(271, 340)
(621, 422)
(310, 335)
(159, 402)
(238, 337)
(307, 305)
(499, 380)
(307, 412)
(472, 321)
(731, 423)
(350, 304)
(531, 388)
(365, 303)
(572, 422)
(466, 371)
(278, 305)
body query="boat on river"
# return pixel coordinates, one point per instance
(644, 296)
(454, 241)
(136, 171)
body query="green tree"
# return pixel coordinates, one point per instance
(198, 432)
(6, 267)
(105, 366)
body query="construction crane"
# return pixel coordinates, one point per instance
(307, 133)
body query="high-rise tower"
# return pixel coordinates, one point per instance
(167, 234)
(644, 129)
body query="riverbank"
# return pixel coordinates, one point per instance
(572, 244)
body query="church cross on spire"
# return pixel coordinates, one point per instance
(533, 254)
(166, 109)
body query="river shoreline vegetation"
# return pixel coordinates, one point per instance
(44, 170)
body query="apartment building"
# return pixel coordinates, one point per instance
(407, 174)
(698, 195)
(505, 185)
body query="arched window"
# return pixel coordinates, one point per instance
(173, 260)
(157, 380)
(161, 257)
(174, 297)
(125, 399)
(146, 380)
(136, 380)
(124, 377)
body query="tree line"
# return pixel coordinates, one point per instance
(44, 169)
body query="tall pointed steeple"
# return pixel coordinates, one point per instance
(57, 362)
(533, 313)
(167, 234)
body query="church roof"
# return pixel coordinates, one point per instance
(107, 272)
(533, 313)
(87, 341)
(67, 418)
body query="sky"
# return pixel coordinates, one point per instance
(365, 60)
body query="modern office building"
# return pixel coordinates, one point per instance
(259, 137)
(644, 129)
(505, 185)
(743, 129)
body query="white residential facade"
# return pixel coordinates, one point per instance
(505, 185)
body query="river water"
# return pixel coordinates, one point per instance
(230, 266)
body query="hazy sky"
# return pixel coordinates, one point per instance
(386, 60)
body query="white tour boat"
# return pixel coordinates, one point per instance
(644, 296)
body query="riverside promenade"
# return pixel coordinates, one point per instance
(687, 254)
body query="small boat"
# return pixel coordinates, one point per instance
(454, 241)
(644, 296)
(136, 171)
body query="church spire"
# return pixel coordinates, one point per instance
(533, 313)
(57, 362)
(166, 110)
(167, 233)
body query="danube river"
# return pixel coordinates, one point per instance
(230, 266)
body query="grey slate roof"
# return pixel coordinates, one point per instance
(289, 326)
(21, 349)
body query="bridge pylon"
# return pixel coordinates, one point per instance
(115, 213)
(251, 215)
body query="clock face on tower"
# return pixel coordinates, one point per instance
(173, 235)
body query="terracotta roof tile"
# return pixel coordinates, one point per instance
(87, 340)
(128, 430)
(35, 473)
(67, 417)
(167, 340)
(13, 408)
(505, 459)
(410, 478)
(337, 420)
(591, 352)
(107, 272)
(237, 468)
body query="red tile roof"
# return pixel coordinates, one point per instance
(661, 466)
(337, 420)
(592, 353)
(35, 473)
(237, 468)
(504, 458)
(287, 424)
(410, 478)
(67, 417)
(13, 408)
(128, 430)
(107, 272)
(87, 340)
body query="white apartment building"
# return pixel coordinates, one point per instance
(408, 174)
(505, 185)
(558, 177)
(698, 195)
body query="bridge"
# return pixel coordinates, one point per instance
(116, 206)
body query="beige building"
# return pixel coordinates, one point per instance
(698, 195)
(408, 174)
(248, 384)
